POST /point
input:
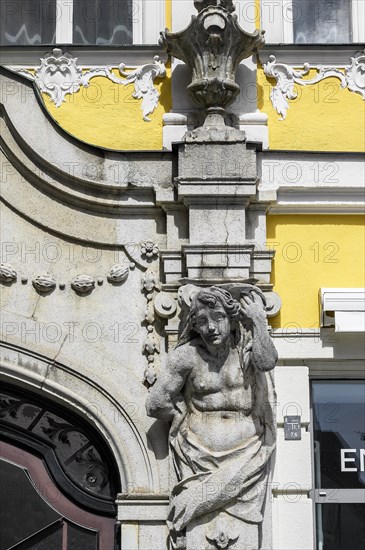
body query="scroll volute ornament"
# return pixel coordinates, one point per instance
(212, 46)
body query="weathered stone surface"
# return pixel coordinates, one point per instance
(212, 162)
(212, 46)
(218, 391)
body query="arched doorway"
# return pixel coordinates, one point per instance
(59, 478)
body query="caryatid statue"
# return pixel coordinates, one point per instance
(218, 392)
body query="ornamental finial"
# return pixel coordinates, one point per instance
(212, 46)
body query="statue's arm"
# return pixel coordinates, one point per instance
(263, 354)
(160, 401)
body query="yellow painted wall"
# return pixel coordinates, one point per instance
(324, 117)
(313, 252)
(105, 114)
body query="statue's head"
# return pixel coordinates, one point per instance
(214, 315)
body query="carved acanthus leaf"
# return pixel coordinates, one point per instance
(9, 406)
(58, 430)
(286, 77)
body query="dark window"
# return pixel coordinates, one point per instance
(27, 22)
(339, 463)
(88, 22)
(29, 523)
(102, 22)
(322, 21)
(340, 526)
(339, 434)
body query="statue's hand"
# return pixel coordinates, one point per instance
(252, 309)
(179, 404)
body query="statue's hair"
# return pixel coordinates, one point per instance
(210, 297)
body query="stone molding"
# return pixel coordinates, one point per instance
(286, 77)
(143, 507)
(88, 56)
(59, 75)
(329, 200)
(74, 390)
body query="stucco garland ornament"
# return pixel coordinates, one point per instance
(150, 286)
(44, 283)
(7, 273)
(59, 75)
(83, 284)
(118, 273)
(286, 77)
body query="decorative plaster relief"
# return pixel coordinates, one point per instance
(150, 286)
(165, 305)
(149, 250)
(118, 273)
(286, 77)
(66, 439)
(7, 273)
(83, 284)
(212, 47)
(59, 75)
(44, 283)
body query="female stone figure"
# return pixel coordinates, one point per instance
(218, 392)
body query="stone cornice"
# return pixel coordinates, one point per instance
(337, 55)
(88, 56)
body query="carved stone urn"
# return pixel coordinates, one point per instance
(212, 46)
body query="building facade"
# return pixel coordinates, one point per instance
(113, 210)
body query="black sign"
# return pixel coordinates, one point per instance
(292, 428)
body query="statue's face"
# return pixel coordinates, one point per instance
(213, 324)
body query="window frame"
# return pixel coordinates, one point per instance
(279, 30)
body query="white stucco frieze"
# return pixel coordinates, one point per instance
(287, 76)
(59, 75)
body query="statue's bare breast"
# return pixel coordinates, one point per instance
(220, 403)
